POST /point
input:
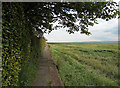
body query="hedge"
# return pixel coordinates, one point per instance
(20, 47)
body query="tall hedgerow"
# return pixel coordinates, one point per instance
(20, 47)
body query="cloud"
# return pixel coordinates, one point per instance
(114, 0)
(104, 31)
(62, 35)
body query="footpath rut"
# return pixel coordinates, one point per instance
(47, 73)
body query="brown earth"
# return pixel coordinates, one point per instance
(47, 73)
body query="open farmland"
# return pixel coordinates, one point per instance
(86, 64)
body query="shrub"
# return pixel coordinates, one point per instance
(21, 49)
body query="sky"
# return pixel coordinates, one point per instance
(104, 31)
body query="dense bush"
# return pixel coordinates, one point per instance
(20, 47)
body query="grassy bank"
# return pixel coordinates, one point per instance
(87, 64)
(30, 68)
(0, 70)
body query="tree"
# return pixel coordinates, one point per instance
(23, 23)
(42, 15)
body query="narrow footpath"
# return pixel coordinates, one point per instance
(47, 73)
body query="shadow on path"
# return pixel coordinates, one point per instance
(47, 73)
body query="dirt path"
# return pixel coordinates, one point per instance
(47, 73)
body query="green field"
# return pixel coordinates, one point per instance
(86, 64)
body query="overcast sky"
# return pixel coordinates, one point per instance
(104, 31)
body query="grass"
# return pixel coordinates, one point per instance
(28, 73)
(29, 70)
(87, 64)
(0, 70)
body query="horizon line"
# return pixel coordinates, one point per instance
(77, 41)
